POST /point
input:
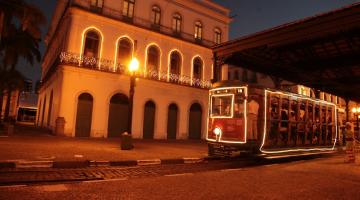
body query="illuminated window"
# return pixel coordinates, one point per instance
(92, 40)
(221, 105)
(97, 3)
(198, 30)
(153, 58)
(175, 62)
(128, 8)
(176, 23)
(124, 53)
(156, 14)
(197, 68)
(217, 36)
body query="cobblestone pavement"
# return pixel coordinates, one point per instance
(46, 147)
(327, 178)
(42, 175)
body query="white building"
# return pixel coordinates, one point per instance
(85, 80)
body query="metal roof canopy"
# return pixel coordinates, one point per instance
(321, 52)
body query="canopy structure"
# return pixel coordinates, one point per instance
(321, 52)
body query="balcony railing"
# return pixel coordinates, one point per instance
(73, 59)
(139, 22)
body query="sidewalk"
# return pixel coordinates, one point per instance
(30, 145)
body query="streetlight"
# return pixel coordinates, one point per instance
(133, 67)
(356, 112)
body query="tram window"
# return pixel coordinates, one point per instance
(302, 111)
(239, 106)
(310, 112)
(317, 113)
(284, 114)
(221, 106)
(293, 110)
(274, 108)
(329, 116)
(285, 108)
(323, 113)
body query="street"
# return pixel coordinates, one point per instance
(323, 178)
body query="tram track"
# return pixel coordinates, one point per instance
(52, 175)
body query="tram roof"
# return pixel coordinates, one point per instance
(321, 52)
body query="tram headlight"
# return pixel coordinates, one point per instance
(217, 131)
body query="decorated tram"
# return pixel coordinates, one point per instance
(260, 120)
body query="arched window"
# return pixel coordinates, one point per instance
(217, 36)
(197, 68)
(153, 58)
(97, 3)
(253, 78)
(245, 76)
(176, 23)
(155, 15)
(198, 30)
(124, 53)
(128, 8)
(236, 75)
(175, 63)
(91, 46)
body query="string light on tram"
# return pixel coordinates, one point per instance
(299, 149)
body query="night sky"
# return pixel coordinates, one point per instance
(250, 16)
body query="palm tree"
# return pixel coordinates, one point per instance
(20, 38)
(28, 17)
(14, 81)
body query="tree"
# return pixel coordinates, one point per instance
(27, 17)
(14, 80)
(20, 38)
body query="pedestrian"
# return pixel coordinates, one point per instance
(350, 139)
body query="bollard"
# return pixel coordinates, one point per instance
(126, 141)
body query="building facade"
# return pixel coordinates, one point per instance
(85, 80)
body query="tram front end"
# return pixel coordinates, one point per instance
(227, 121)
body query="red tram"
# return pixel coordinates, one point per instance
(255, 119)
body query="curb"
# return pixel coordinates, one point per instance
(93, 163)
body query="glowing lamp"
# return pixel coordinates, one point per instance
(353, 110)
(134, 65)
(358, 109)
(217, 131)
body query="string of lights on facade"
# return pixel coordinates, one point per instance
(108, 66)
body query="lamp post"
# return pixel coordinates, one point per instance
(133, 67)
(356, 112)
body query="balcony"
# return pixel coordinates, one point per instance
(139, 22)
(104, 65)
